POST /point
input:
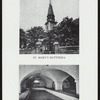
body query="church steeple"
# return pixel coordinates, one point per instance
(50, 18)
(50, 10)
(49, 1)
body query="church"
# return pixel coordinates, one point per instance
(54, 38)
(50, 18)
(45, 45)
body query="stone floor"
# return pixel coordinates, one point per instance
(45, 94)
(42, 95)
(60, 95)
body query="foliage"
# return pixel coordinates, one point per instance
(29, 38)
(66, 33)
(23, 39)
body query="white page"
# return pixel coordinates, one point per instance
(86, 59)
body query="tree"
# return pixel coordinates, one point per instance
(67, 32)
(33, 35)
(23, 39)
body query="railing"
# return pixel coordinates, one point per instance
(25, 95)
(61, 50)
(68, 49)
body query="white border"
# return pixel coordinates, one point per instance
(87, 59)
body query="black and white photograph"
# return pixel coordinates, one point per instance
(48, 82)
(49, 50)
(49, 27)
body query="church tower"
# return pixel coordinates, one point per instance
(50, 18)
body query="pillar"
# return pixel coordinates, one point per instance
(43, 48)
(38, 49)
(58, 85)
(77, 86)
(56, 44)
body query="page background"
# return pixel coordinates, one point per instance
(87, 59)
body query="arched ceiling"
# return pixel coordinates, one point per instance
(33, 76)
(72, 70)
(47, 75)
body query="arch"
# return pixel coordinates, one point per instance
(27, 82)
(43, 72)
(55, 74)
(72, 71)
(69, 85)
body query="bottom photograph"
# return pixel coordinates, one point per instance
(48, 82)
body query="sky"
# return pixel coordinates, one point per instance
(34, 12)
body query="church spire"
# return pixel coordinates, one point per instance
(49, 1)
(50, 10)
(50, 18)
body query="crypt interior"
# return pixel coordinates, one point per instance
(61, 80)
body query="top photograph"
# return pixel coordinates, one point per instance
(49, 27)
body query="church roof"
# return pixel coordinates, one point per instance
(50, 10)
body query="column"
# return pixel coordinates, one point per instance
(77, 86)
(43, 48)
(58, 85)
(38, 49)
(56, 44)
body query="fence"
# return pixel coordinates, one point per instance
(57, 50)
(68, 49)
